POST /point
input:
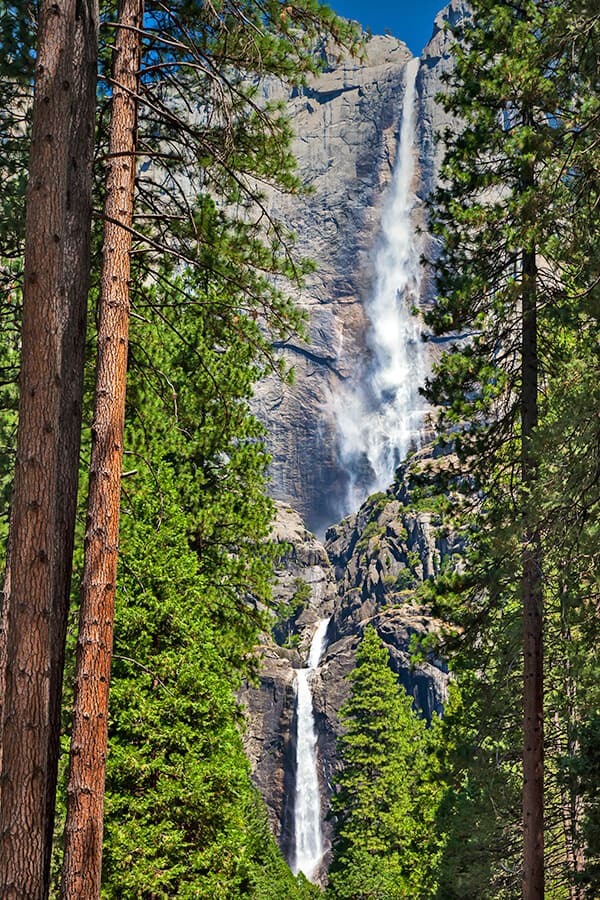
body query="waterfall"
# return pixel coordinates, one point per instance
(380, 418)
(308, 837)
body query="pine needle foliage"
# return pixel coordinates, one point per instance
(385, 800)
(515, 209)
(182, 819)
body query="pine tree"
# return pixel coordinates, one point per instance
(181, 815)
(507, 217)
(234, 159)
(85, 794)
(568, 497)
(384, 803)
(44, 495)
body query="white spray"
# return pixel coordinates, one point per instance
(308, 836)
(381, 418)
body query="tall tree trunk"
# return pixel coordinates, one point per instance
(37, 584)
(4, 598)
(571, 799)
(532, 597)
(85, 792)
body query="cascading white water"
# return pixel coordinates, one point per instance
(308, 837)
(380, 418)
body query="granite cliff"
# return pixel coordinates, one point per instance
(347, 122)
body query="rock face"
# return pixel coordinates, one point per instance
(347, 123)
(436, 62)
(268, 739)
(369, 571)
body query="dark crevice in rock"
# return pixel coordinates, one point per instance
(308, 354)
(325, 96)
(286, 840)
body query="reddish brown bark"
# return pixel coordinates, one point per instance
(37, 588)
(567, 744)
(532, 600)
(85, 793)
(4, 600)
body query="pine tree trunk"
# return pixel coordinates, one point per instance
(4, 600)
(571, 799)
(531, 584)
(37, 583)
(85, 793)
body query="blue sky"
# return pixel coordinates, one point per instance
(409, 20)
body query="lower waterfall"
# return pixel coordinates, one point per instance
(308, 837)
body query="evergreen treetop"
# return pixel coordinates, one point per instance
(384, 803)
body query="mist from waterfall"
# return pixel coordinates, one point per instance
(380, 417)
(308, 836)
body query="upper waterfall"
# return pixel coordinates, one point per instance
(365, 143)
(380, 416)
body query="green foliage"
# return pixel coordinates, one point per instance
(479, 813)
(16, 67)
(377, 503)
(287, 612)
(371, 532)
(517, 181)
(181, 816)
(385, 801)
(485, 218)
(17, 28)
(585, 765)
(404, 580)
(10, 307)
